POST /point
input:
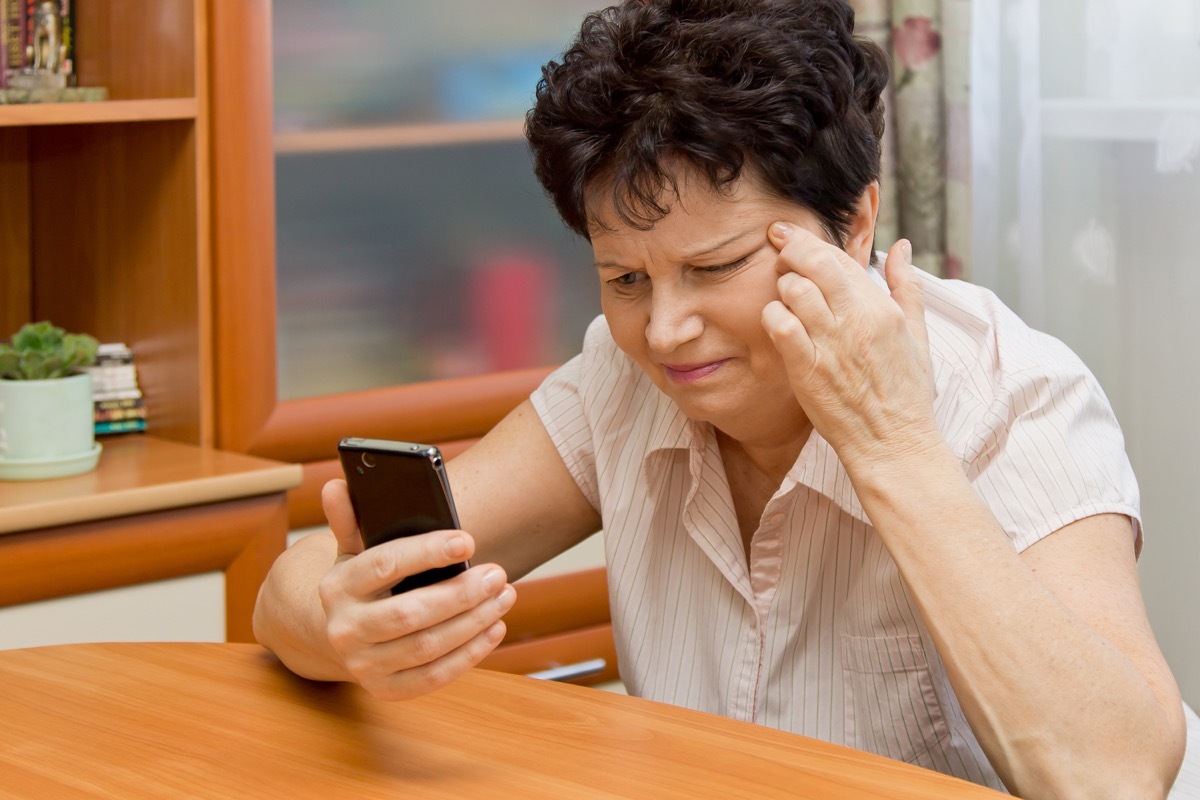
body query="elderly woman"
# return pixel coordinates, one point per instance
(839, 497)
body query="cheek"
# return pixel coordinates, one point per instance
(625, 324)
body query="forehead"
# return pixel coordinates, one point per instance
(688, 198)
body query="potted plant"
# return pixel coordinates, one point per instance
(46, 410)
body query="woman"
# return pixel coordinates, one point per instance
(852, 501)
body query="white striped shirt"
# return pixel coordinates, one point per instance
(817, 633)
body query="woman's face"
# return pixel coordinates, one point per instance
(685, 299)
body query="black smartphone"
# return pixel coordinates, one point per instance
(399, 489)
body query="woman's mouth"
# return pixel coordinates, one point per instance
(687, 373)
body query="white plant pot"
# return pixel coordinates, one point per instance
(47, 428)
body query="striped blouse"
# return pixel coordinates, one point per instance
(817, 634)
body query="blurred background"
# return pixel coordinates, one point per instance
(413, 240)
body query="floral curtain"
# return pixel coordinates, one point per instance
(925, 186)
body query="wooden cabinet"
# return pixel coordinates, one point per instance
(147, 219)
(104, 205)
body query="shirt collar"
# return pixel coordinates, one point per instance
(817, 467)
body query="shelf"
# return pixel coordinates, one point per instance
(29, 114)
(393, 137)
(140, 473)
(1100, 119)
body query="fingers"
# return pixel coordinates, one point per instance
(408, 612)
(788, 335)
(906, 287)
(426, 678)
(377, 569)
(410, 644)
(335, 499)
(831, 287)
(412, 629)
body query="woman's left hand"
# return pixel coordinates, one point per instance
(857, 359)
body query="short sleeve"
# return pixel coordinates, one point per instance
(1048, 450)
(560, 404)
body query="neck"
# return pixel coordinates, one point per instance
(771, 452)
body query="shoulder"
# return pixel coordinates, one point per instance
(1030, 422)
(601, 388)
(608, 376)
(987, 361)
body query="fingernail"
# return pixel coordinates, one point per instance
(506, 599)
(906, 248)
(456, 547)
(493, 581)
(781, 231)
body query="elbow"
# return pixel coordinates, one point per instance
(1140, 773)
(258, 624)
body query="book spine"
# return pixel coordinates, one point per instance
(107, 377)
(120, 426)
(116, 394)
(116, 414)
(12, 21)
(112, 405)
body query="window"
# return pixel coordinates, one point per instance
(413, 241)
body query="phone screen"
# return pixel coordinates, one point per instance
(399, 489)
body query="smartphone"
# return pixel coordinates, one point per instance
(399, 489)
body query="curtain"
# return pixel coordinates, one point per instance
(925, 191)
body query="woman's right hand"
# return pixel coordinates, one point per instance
(403, 646)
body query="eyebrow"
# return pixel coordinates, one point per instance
(690, 257)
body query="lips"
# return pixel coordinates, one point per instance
(687, 373)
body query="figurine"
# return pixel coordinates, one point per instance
(45, 52)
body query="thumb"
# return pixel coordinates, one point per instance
(907, 289)
(335, 499)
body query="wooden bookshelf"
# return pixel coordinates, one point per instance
(97, 113)
(109, 232)
(128, 219)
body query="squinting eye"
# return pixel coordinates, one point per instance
(720, 268)
(628, 279)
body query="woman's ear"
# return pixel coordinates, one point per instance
(860, 241)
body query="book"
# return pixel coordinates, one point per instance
(112, 377)
(117, 394)
(114, 370)
(116, 414)
(120, 426)
(123, 404)
(12, 38)
(115, 391)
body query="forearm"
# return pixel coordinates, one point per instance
(288, 617)
(1058, 708)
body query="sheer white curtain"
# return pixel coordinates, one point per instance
(1085, 139)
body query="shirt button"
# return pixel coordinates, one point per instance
(775, 518)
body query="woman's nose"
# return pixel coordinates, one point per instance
(674, 321)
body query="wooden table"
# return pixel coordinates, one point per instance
(228, 721)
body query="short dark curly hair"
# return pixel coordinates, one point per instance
(780, 88)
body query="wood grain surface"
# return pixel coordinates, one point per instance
(224, 720)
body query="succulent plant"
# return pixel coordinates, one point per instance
(41, 351)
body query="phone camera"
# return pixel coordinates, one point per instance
(368, 460)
